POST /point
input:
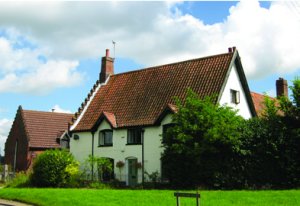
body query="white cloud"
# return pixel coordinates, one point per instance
(57, 108)
(5, 125)
(27, 70)
(267, 38)
(155, 32)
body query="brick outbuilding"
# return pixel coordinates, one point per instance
(33, 132)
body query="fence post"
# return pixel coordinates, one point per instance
(5, 172)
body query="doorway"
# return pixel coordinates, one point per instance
(132, 172)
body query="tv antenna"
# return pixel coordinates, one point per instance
(114, 43)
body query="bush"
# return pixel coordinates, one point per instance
(54, 168)
(99, 185)
(202, 148)
(21, 180)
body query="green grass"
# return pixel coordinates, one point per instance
(87, 197)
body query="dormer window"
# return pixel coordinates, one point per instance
(105, 138)
(235, 96)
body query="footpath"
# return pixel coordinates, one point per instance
(11, 203)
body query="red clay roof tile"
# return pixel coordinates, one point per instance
(111, 118)
(258, 100)
(43, 127)
(138, 98)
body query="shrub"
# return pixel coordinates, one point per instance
(99, 185)
(54, 168)
(203, 145)
(21, 180)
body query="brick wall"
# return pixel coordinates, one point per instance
(17, 134)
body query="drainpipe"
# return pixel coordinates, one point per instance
(93, 156)
(143, 168)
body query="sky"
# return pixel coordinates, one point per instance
(50, 52)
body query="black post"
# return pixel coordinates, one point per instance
(143, 168)
(93, 156)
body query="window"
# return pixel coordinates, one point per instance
(65, 142)
(235, 96)
(134, 136)
(105, 138)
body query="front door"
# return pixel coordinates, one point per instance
(132, 172)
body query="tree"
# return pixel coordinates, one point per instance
(202, 147)
(290, 108)
(272, 143)
(291, 118)
(54, 168)
(263, 141)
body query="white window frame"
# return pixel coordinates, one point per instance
(235, 96)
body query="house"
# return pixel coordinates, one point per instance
(259, 99)
(33, 132)
(124, 115)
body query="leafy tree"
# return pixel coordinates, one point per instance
(263, 141)
(290, 108)
(54, 168)
(203, 146)
(273, 143)
(291, 118)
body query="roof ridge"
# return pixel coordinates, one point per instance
(256, 93)
(84, 103)
(264, 95)
(48, 112)
(174, 63)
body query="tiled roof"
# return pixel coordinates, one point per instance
(138, 98)
(111, 118)
(258, 100)
(43, 128)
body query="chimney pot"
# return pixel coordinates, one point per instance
(230, 50)
(107, 52)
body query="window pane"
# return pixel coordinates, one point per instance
(105, 137)
(134, 136)
(108, 137)
(101, 138)
(235, 96)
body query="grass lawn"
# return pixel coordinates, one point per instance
(86, 197)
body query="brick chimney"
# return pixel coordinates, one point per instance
(107, 67)
(281, 87)
(231, 49)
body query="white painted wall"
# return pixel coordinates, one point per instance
(152, 137)
(120, 151)
(234, 83)
(82, 147)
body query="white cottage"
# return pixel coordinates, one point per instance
(124, 116)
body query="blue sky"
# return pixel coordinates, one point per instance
(50, 58)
